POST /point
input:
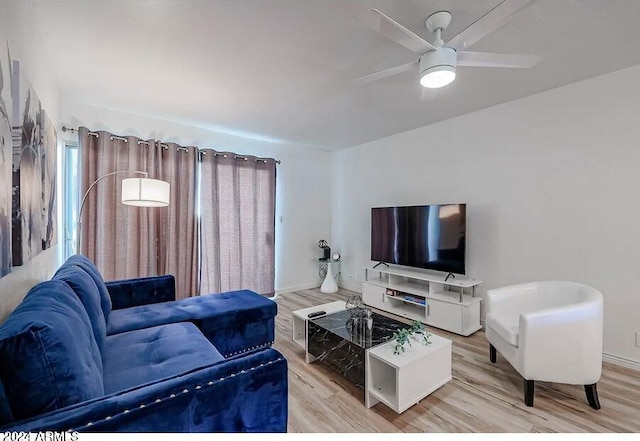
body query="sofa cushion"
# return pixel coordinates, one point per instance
(507, 326)
(50, 358)
(5, 411)
(88, 266)
(146, 355)
(87, 291)
(220, 311)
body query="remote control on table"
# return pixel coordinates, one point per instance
(316, 314)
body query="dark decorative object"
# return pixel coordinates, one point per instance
(360, 324)
(34, 173)
(322, 269)
(326, 255)
(6, 107)
(354, 304)
(360, 321)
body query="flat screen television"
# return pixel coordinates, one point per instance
(424, 236)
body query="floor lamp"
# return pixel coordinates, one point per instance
(138, 192)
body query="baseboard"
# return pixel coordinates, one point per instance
(297, 288)
(351, 286)
(621, 361)
(357, 287)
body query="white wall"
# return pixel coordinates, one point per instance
(551, 182)
(303, 209)
(26, 45)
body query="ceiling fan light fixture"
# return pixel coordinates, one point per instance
(438, 76)
(438, 68)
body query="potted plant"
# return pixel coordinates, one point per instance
(404, 335)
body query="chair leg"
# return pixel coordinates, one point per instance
(492, 353)
(529, 386)
(592, 395)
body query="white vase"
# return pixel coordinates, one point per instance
(329, 285)
(419, 338)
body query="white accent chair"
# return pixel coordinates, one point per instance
(548, 331)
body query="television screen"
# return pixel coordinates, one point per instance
(425, 236)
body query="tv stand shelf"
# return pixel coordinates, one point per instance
(402, 299)
(451, 305)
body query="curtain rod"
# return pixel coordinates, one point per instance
(165, 146)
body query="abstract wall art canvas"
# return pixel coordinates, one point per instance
(34, 171)
(5, 161)
(48, 190)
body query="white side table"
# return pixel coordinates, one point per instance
(400, 381)
(329, 285)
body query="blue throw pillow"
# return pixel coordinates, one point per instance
(88, 266)
(50, 358)
(87, 291)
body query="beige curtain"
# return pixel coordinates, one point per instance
(156, 240)
(178, 226)
(237, 223)
(120, 239)
(231, 247)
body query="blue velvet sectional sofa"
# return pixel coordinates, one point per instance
(80, 354)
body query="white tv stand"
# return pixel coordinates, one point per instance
(450, 305)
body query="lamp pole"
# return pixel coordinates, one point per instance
(86, 194)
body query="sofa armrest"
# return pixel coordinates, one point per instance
(246, 394)
(563, 344)
(142, 291)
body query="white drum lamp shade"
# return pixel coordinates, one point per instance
(145, 192)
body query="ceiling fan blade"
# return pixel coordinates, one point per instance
(394, 31)
(384, 73)
(485, 59)
(486, 24)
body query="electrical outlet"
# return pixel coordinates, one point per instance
(638, 339)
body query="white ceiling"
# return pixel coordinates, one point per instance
(278, 69)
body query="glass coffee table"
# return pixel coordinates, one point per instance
(359, 350)
(340, 341)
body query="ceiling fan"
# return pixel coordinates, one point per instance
(438, 60)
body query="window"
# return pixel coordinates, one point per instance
(71, 186)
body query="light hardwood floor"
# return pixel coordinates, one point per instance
(481, 397)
